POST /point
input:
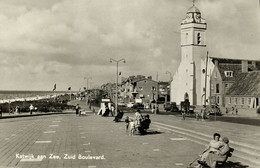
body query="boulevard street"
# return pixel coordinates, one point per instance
(66, 140)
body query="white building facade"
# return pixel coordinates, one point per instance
(189, 79)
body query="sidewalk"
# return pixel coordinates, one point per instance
(27, 114)
(39, 113)
(93, 135)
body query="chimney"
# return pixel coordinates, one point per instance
(244, 66)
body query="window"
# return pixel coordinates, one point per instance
(228, 73)
(218, 100)
(229, 101)
(217, 88)
(243, 101)
(226, 85)
(249, 101)
(235, 100)
(198, 38)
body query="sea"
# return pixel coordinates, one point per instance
(19, 95)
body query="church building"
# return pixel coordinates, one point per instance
(195, 67)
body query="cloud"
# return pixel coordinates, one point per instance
(64, 40)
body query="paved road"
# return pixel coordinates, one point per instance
(97, 142)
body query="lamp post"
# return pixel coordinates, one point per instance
(168, 72)
(112, 96)
(117, 61)
(86, 78)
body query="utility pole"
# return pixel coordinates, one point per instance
(206, 74)
(168, 72)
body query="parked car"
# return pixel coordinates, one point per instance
(138, 106)
(172, 107)
(130, 104)
(191, 109)
(121, 104)
(213, 109)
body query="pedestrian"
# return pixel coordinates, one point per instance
(153, 109)
(19, 109)
(138, 117)
(77, 109)
(203, 113)
(236, 111)
(226, 111)
(112, 110)
(16, 109)
(89, 106)
(106, 113)
(31, 109)
(157, 109)
(197, 115)
(183, 114)
(127, 120)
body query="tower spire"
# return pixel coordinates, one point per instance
(193, 2)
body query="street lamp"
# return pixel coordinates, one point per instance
(86, 78)
(168, 72)
(117, 61)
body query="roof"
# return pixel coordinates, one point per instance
(226, 60)
(193, 9)
(138, 80)
(235, 68)
(247, 84)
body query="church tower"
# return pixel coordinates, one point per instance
(188, 79)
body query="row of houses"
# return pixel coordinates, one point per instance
(235, 82)
(139, 89)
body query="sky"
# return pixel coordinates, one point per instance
(65, 41)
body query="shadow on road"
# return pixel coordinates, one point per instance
(230, 164)
(153, 132)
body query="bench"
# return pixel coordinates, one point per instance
(82, 113)
(222, 163)
(119, 116)
(144, 126)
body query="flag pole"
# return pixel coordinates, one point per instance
(70, 92)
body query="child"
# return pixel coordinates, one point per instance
(127, 122)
